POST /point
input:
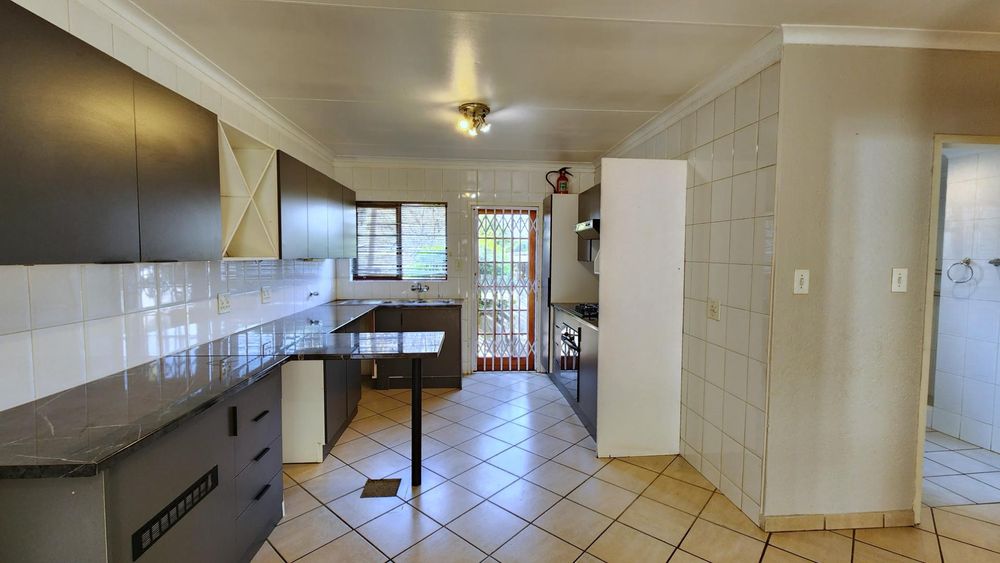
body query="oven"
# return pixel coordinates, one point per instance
(568, 360)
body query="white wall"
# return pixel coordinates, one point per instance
(463, 186)
(572, 281)
(966, 399)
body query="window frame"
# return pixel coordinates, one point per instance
(398, 206)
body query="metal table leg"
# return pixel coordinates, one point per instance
(416, 390)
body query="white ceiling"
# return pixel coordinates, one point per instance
(567, 79)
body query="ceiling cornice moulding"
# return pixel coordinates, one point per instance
(761, 55)
(890, 37)
(143, 23)
(352, 162)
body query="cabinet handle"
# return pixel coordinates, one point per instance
(262, 492)
(260, 416)
(261, 455)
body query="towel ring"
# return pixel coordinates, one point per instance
(967, 262)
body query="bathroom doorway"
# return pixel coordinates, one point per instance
(961, 456)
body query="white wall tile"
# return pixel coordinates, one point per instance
(737, 330)
(745, 149)
(722, 157)
(769, 83)
(56, 295)
(741, 242)
(744, 195)
(719, 242)
(977, 400)
(752, 476)
(757, 384)
(732, 464)
(711, 447)
(105, 346)
(739, 286)
(15, 312)
(736, 375)
(58, 358)
(975, 432)
(767, 141)
(103, 291)
(705, 125)
(142, 337)
(715, 364)
(17, 386)
(722, 199)
(980, 360)
(760, 290)
(765, 191)
(725, 108)
(735, 418)
(747, 102)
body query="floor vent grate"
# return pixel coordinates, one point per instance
(380, 488)
(146, 536)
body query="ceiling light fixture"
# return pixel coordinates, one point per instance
(473, 120)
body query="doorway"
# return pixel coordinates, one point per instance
(505, 288)
(961, 450)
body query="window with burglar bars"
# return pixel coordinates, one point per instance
(402, 241)
(506, 289)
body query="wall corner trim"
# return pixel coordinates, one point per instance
(764, 53)
(890, 37)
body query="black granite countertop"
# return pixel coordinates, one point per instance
(568, 308)
(400, 303)
(81, 431)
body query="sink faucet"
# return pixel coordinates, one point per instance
(420, 289)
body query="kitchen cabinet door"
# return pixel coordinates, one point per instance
(318, 208)
(293, 205)
(335, 220)
(67, 133)
(177, 158)
(348, 203)
(390, 320)
(335, 389)
(588, 378)
(353, 387)
(447, 319)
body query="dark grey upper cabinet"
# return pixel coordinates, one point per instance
(335, 219)
(67, 131)
(318, 227)
(293, 202)
(177, 157)
(348, 201)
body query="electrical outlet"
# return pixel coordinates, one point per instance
(265, 294)
(801, 286)
(899, 279)
(714, 310)
(224, 304)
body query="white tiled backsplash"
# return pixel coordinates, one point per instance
(966, 390)
(64, 325)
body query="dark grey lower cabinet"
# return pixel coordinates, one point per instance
(208, 490)
(588, 378)
(443, 371)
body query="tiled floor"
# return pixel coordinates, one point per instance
(957, 472)
(510, 475)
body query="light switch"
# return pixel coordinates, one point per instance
(801, 286)
(714, 310)
(899, 276)
(223, 303)
(265, 294)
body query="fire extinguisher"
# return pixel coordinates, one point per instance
(562, 182)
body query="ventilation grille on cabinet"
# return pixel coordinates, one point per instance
(146, 536)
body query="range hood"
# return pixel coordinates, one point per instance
(589, 230)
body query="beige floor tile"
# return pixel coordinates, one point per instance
(610, 500)
(334, 484)
(356, 511)
(681, 469)
(626, 475)
(533, 545)
(846, 533)
(655, 463)
(970, 488)
(446, 502)
(306, 533)
(456, 412)
(442, 547)
(927, 519)
(507, 412)
(356, 450)
(525, 499)
(723, 512)
(392, 436)
(573, 523)
(371, 424)
(383, 404)
(398, 529)
(621, 544)
(968, 530)
(297, 503)
(487, 526)
(588, 558)
(511, 433)
(936, 495)
(911, 542)
(349, 548)
(451, 462)
(985, 512)
(428, 481)
(957, 552)
(678, 494)
(287, 481)
(985, 456)
(454, 434)
(381, 465)
(582, 459)
(429, 447)
(431, 422)
(991, 479)
(399, 414)
(517, 461)
(721, 545)
(959, 462)
(363, 413)
(567, 431)
(536, 421)
(947, 441)
(818, 545)
(267, 554)
(935, 469)
(864, 553)
(485, 479)
(681, 556)
(556, 477)
(305, 471)
(545, 445)
(483, 447)
(776, 555)
(658, 520)
(483, 422)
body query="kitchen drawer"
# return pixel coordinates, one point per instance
(264, 465)
(257, 521)
(257, 418)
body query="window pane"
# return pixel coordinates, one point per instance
(402, 241)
